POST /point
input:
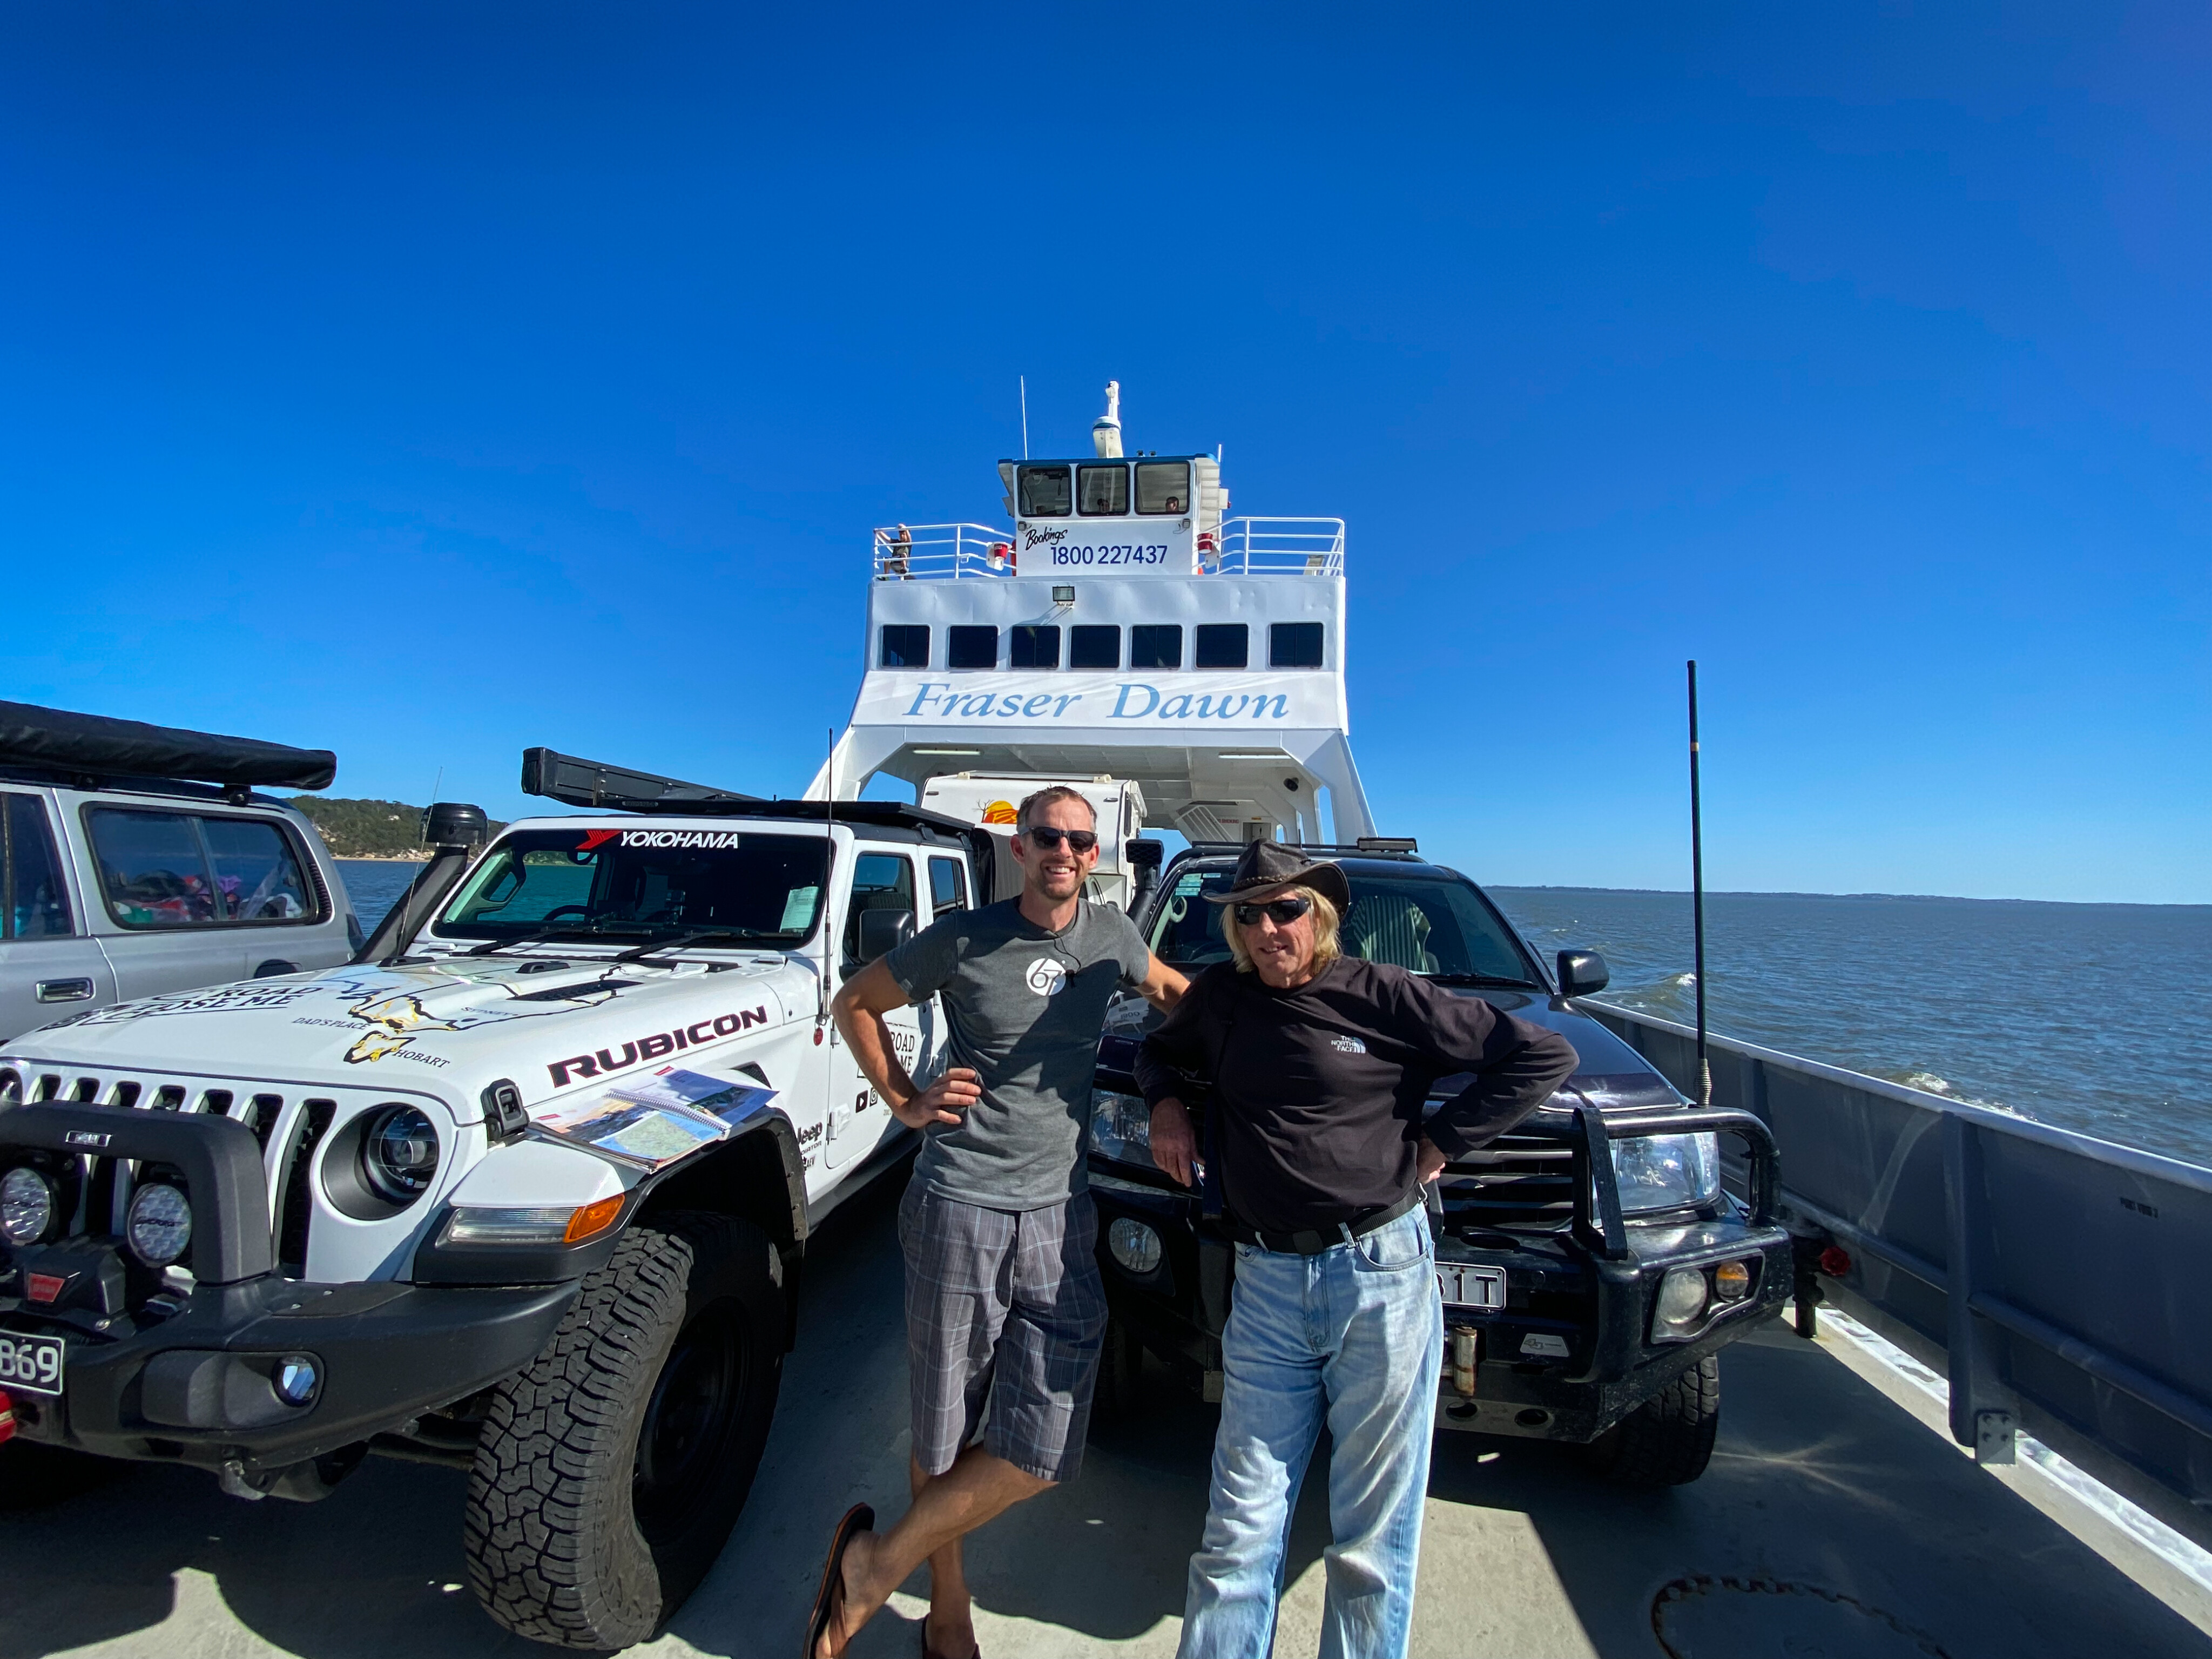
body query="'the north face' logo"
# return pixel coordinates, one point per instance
(1347, 1045)
(1046, 977)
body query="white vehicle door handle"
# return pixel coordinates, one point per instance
(64, 990)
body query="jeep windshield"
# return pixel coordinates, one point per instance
(634, 883)
(1438, 926)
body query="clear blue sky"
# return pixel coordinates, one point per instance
(426, 382)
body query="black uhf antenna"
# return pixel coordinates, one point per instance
(829, 856)
(1698, 895)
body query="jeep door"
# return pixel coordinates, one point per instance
(884, 881)
(50, 966)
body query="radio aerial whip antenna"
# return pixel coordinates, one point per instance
(829, 855)
(1024, 380)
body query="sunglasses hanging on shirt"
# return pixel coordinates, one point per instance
(1284, 911)
(1079, 841)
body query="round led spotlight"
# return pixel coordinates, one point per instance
(399, 1155)
(296, 1379)
(1134, 1245)
(1681, 1298)
(26, 1206)
(159, 1224)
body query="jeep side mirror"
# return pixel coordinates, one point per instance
(1581, 973)
(881, 929)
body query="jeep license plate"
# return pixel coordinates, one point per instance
(32, 1364)
(1471, 1287)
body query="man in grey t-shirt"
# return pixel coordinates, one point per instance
(1004, 1306)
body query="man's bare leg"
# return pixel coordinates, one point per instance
(977, 1488)
(950, 1630)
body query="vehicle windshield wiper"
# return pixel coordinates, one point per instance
(540, 936)
(1480, 979)
(638, 953)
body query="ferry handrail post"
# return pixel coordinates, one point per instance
(1984, 1414)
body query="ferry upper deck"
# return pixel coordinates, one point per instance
(1124, 627)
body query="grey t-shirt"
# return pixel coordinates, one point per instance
(1023, 1007)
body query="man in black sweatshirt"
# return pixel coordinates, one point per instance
(1319, 1066)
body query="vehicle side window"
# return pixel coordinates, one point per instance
(257, 873)
(881, 881)
(33, 900)
(948, 886)
(1045, 492)
(153, 868)
(1163, 486)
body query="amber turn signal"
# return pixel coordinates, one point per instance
(592, 1219)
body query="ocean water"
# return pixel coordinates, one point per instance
(2094, 1017)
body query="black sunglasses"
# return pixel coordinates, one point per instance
(1284, 910)
(1079, 841)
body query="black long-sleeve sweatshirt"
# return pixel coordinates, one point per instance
(1321, 1088)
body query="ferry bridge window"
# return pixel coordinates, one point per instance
(1094, 645)
(579, 883)
(1162, 486)
(1222, 645)
(1044, 492)
(1155, 645)
(1439, 928)
(905, 646)
(1102, 491)
(35, 904)
(1033, 648)
(971, 648)
(1294, 644)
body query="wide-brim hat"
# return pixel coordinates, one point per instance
(1269, 864)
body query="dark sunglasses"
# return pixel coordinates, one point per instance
(1284, 910)
(1079, 841)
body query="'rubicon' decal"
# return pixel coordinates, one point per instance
(604, 1063)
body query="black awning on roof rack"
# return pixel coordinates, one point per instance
(576, 782)
(93, 746)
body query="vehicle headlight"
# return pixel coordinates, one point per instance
(1134, 1245)
(26, 1206)
(399, 1155)
(1121, 1127)
(1666, 1172)
(1681, 1304)
(159, 1224)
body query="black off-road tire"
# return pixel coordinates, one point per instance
(584, 1529)
(34, 1476)
(1669, 1439)
(1121, 1374)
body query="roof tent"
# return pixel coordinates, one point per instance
(94, 746)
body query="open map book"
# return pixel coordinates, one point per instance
(658, 1118)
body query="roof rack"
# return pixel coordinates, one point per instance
(576, 782)
(88, 749)
(1367, 846)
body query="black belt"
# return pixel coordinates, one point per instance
(1312, 1242)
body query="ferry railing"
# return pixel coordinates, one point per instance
(1276, 547)
(940, 552)
(2064, 1282)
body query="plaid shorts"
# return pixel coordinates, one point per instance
(1003, 1306)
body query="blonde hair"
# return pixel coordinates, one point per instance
(1325, 922)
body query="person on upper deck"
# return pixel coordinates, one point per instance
(1319, 1066)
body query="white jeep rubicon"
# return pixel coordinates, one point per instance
(524, 1188)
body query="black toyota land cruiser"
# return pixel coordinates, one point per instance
(1593, 1262)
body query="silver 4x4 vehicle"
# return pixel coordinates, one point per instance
(526, 1189)
(1593, 1262)
(136, 859)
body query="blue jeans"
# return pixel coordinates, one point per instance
(1357, 1333)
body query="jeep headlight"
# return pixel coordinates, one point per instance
(1666, 1172)
(1121, 1127)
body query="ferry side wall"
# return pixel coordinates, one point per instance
(2064, 1282)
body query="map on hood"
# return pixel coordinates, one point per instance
(656, 1119)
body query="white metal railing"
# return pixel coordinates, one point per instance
(1276, 547)
(1242, 547)
(940, 552)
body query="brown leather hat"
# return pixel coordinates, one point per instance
(1269, 864)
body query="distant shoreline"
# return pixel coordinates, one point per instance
(422, 857)
(1943, 898)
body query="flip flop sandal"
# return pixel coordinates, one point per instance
(975, 1652)
(829, 1600)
